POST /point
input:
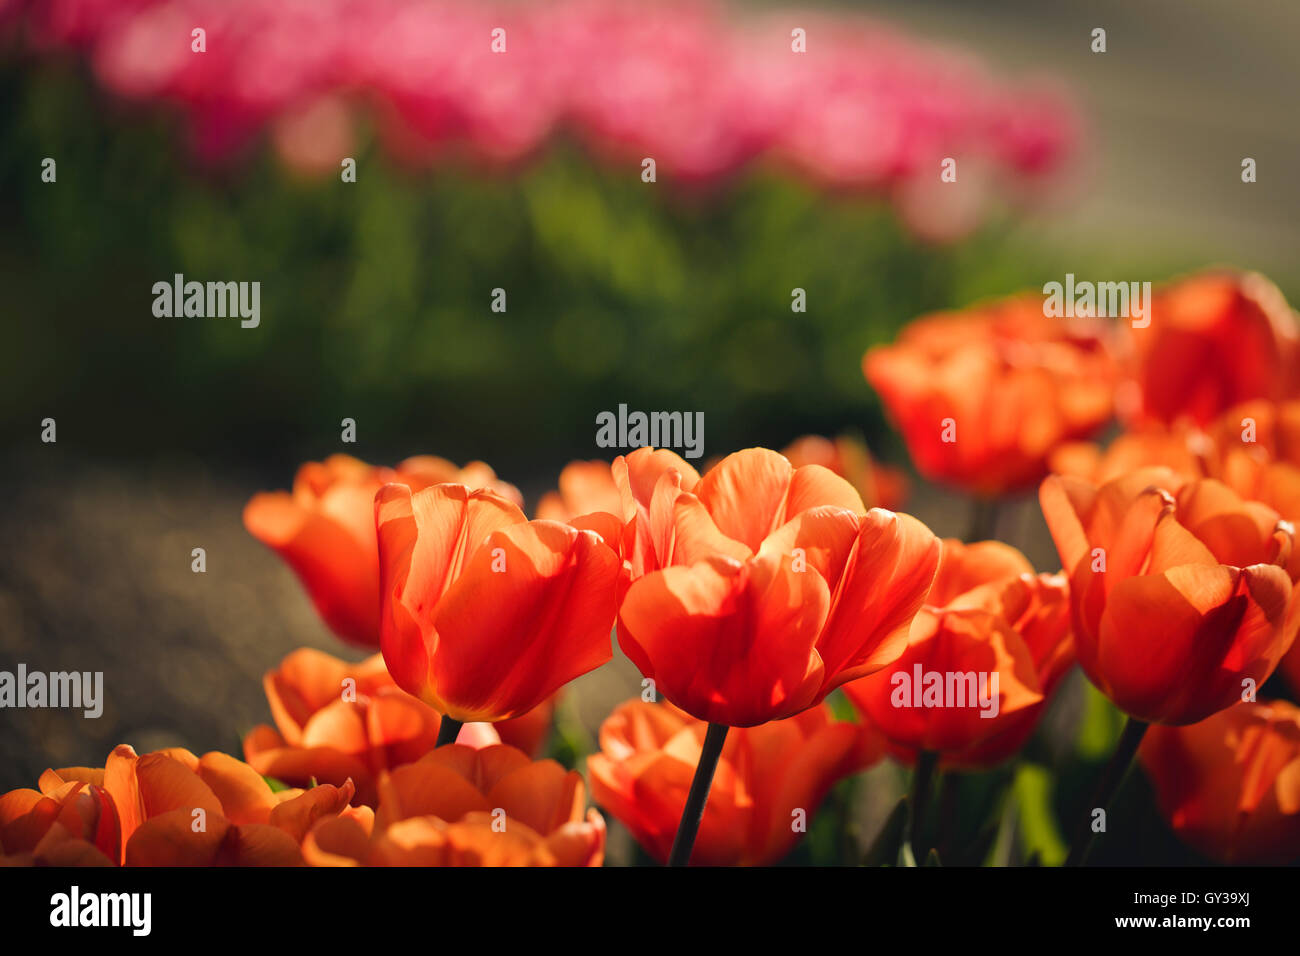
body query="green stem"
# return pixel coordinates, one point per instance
(1107, 786)
(922, 776)
(448, 730)
(947, 814)
(693, 812)
(983, 520)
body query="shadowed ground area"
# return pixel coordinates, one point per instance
(96, 575)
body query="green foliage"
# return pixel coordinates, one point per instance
(376, 296)
(1040, 836)
(1101, 726)
(889, 844)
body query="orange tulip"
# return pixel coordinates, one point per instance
(1259, 457)
(69, 821)
(1182, 450)
(775, 589)
(584, 487)
(879, 485)
(459, 806)
(1258, 453)
(1230, 785)
(984, 656)
(325, 531)
(168, 808)
(486, 614)
(1179, 589)
(615, 500)
(177, 809)
(1253, 448)
(336, 721)
(1239, 449)
(983, 396)
(769, 783)
(731, 510)
(423, 471)
(1214, 339)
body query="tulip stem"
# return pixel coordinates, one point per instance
(983, 520)
(693, 812)
(922, 775)
(448, 730)
(1111, 777)
(947, 814)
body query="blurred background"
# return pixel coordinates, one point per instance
(774, 172)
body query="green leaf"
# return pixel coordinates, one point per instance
(1004, 832)
(1100, 727)
(1038, 831)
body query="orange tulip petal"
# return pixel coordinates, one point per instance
(885, 581)
(244, 796)
(426, 789)
(727, 642)
(531, 611)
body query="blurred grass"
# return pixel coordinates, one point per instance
(376, 296)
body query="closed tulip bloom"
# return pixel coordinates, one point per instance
(69, 821)
(1229, 786)
(336, 721)
(167, 808)
(614, 500)
(325, 531)
(1214, 340)
(984, 396)
(770, 779)
(1258, 456)
(642, 490)
(460, 806)
(649, 479)
(738, 503)
(1244, 449)
(1180, 590)
(162, 798)
(486, 614)
(774, 593)
(984, 656)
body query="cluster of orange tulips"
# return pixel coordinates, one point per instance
(749, 593)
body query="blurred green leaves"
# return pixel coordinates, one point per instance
(1040, 837)
(376, 296)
